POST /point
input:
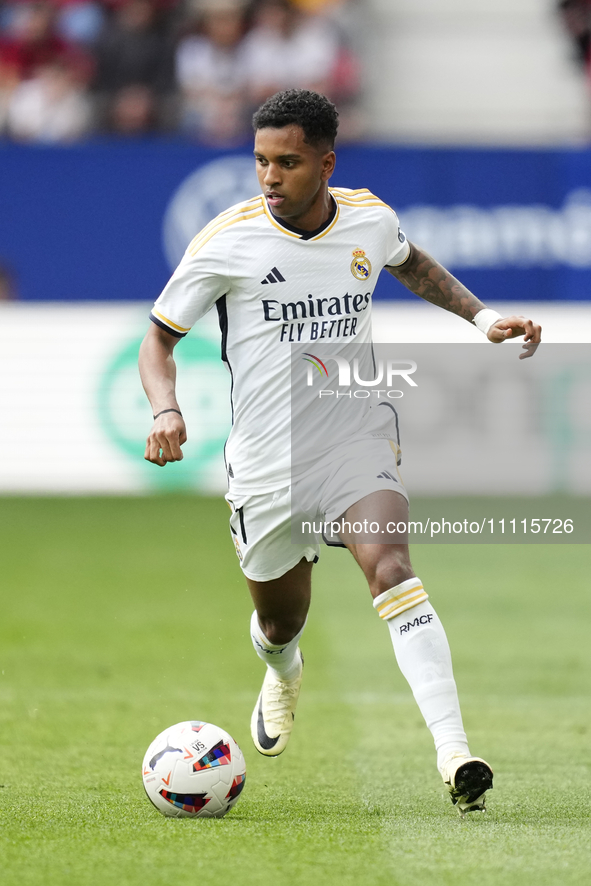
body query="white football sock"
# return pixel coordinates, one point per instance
(284, 659)
(423, 655)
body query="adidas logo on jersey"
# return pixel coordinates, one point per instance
(386, 475)
(274, 277)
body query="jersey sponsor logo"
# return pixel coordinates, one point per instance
(361, 265)
(337, 310)
(275, 276)
(275, 311)
(346, 327)
(420, 620)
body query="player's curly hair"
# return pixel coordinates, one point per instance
(317, 116)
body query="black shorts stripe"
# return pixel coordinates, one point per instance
(397, 426)
(332, 544)
(240, 513)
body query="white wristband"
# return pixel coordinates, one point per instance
(486, 318)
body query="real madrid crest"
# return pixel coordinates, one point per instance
(361, 265)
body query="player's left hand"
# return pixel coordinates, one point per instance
(514, 326)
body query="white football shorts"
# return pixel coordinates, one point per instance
(261, 525)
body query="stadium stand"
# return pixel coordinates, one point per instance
(197, 68)
(73, 68)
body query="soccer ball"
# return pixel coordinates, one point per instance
(194, 770)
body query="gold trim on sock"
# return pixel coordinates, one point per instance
(401, 602)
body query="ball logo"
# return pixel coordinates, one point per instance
(361, 265)
(218, 755)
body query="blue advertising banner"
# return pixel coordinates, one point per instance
(108, 221)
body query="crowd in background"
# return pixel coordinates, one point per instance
(576, 15)
(72, 69)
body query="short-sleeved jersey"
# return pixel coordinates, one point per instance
(273, 286)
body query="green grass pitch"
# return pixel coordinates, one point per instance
(122, 616)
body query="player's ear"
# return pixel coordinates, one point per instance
(328, 164)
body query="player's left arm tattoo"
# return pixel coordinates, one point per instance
(429, 280)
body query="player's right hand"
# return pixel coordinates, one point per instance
(165, 439)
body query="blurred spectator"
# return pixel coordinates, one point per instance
(42, 76)
(230, 56)
(80, 21)
(317, 5)
(7, 283)
(30, 41)
(7, 84)
(133, 111)
(134, 51)
(576, 15)
(211, 73)
(51, 106)
(288, 49)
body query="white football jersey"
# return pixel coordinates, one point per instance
(273, 286)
